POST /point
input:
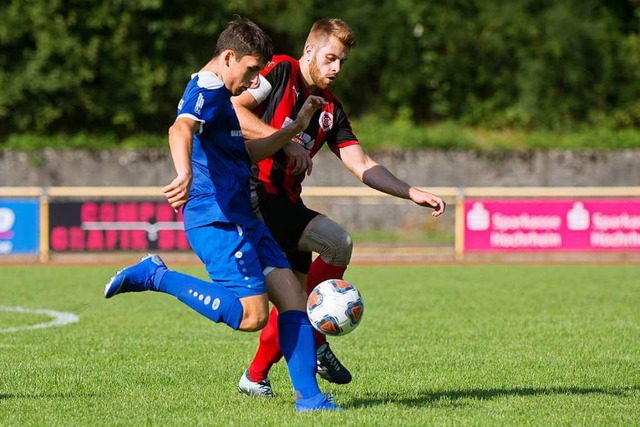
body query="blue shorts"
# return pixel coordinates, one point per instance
(236, 256)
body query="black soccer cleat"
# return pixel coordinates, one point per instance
(329, 367)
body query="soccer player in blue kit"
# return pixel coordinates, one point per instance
(243, 260)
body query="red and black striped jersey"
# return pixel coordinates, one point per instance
(281, 95)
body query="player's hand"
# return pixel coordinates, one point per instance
(429, 200)
(311, 104)
(299, 159)
(177, 193)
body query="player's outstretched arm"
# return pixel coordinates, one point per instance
(376, 176)
(259, 149)
(180, 144)
(423, 198)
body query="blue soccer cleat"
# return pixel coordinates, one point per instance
(136, 278)
(319, 402)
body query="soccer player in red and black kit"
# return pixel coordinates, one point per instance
(276, 182)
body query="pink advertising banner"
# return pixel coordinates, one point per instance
(552, 224)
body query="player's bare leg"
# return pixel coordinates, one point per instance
(296, 340)
(333, 243)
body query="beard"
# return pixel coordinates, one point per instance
(316, 76)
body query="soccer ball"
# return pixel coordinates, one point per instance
(335, 307)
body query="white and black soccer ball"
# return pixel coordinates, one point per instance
(335, 307)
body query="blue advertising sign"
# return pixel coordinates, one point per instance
(19, 226)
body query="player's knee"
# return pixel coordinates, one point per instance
(338, 249)
(332, 242)
(254, 317)
(253, 321)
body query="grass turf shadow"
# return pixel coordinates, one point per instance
(455, 397)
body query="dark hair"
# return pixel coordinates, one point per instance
(244, 37)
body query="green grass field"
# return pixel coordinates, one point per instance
(439, 345)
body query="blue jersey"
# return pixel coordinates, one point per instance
(221, 165)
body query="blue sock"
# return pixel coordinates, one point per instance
(210, 299)
(298, 347)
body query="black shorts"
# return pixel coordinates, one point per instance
(286, 220)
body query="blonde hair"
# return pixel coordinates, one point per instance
(327, 27)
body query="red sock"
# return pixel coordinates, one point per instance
(318, 273)
(268, 351)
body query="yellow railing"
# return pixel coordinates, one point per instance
(452, 195)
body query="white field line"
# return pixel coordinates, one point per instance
(60, 318)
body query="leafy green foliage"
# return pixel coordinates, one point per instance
(82, 141)
(119, 67)
(497, 64)
(377, 133)
(116, 67)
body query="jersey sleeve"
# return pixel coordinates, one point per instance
(200, 105)
(270, 75)
(343, 133)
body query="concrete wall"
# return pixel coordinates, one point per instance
(421, 168)
(362, 214)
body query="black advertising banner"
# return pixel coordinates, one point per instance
(102, 226)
